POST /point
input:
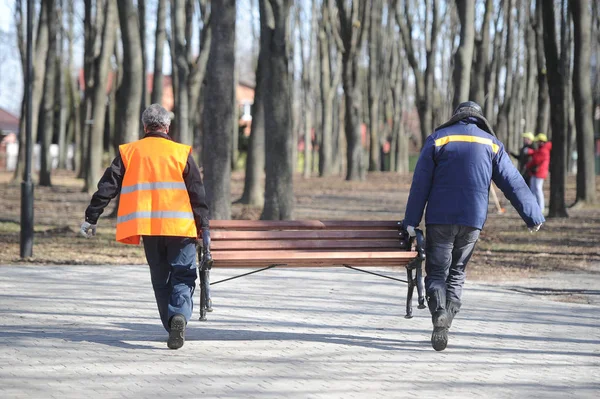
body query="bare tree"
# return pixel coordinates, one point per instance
(218, 113)
(188, 70)
(543, 100)
(424, 79)
(95, 127)
(330, 75)
(555, 64)
(279, 190)
(353, 18)
(254, 190)
(129, 95)
(39, 71)
(582, 95)
(464, 56)
(481, 57)
(376, 78)
(160, 37)
(47, 111)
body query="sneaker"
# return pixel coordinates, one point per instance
(177, 333)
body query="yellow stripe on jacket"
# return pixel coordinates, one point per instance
(467, 139)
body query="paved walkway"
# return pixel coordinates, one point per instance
(93, 332)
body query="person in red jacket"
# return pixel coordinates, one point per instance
(538, 167)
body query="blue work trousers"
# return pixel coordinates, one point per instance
(172, 262)
(448, 250)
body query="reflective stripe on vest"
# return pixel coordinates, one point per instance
(155, 215)
(467, 139)
(153, 186)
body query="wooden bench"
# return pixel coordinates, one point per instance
(313, 243)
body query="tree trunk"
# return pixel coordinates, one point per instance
(463, 58)
(60, 111)
(218, 110)
(144, 59)
(556, 87)
(582, 95)
(477, 91)
(182, 70)
(130, 95)
(96, 125)
(543, 101)
(75, 134)
(374, 85)
(255, 161)
(329, 82)
(39, 72)
(279, 188)
(351, 34)
(160, 37)
(47, 112)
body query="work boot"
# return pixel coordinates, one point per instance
(440, 320)
(177, 333)
(452, 308)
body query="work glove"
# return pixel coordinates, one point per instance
(411, 231)
(88, 230)
(535, 228)
(207, 259)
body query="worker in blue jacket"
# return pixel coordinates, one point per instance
(457, 164)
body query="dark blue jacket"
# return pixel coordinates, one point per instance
(453, 177)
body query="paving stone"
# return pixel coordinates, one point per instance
(94, 332)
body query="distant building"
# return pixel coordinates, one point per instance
(9, 130)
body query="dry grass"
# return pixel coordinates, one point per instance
(506, 249)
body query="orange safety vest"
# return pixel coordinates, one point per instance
(154, 199)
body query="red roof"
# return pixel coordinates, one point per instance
(8, 122)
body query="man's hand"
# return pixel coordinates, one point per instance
(88, 230)
(411, 231)
(535, 228)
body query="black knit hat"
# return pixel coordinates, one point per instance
(470, 106)
(469, 109)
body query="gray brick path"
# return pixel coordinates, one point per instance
(94, 332)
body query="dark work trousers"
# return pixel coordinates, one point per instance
(448, 250)
(172, 262)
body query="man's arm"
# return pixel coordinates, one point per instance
(108, 188)
(195, 189)
(509, 180)
(421, 185)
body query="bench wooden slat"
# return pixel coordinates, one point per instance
(304, 235)
(222, 245)
(303, 225)
(308, 255)
(311, 263)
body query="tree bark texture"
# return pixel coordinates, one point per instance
(543, 100)
(582, 95)
(159, 37)
(463, 58)
(556, 86)
(218, 110)
(477, 91)
(279, 188)
(46, 126)
(96, 124)
(39, 71)
(130, 93)
(352, 22)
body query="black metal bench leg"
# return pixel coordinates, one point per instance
(411, 288)
(420, 286)
(205, 301)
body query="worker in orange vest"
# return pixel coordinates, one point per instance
(163, 202)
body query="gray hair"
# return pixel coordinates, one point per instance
(156, 118)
